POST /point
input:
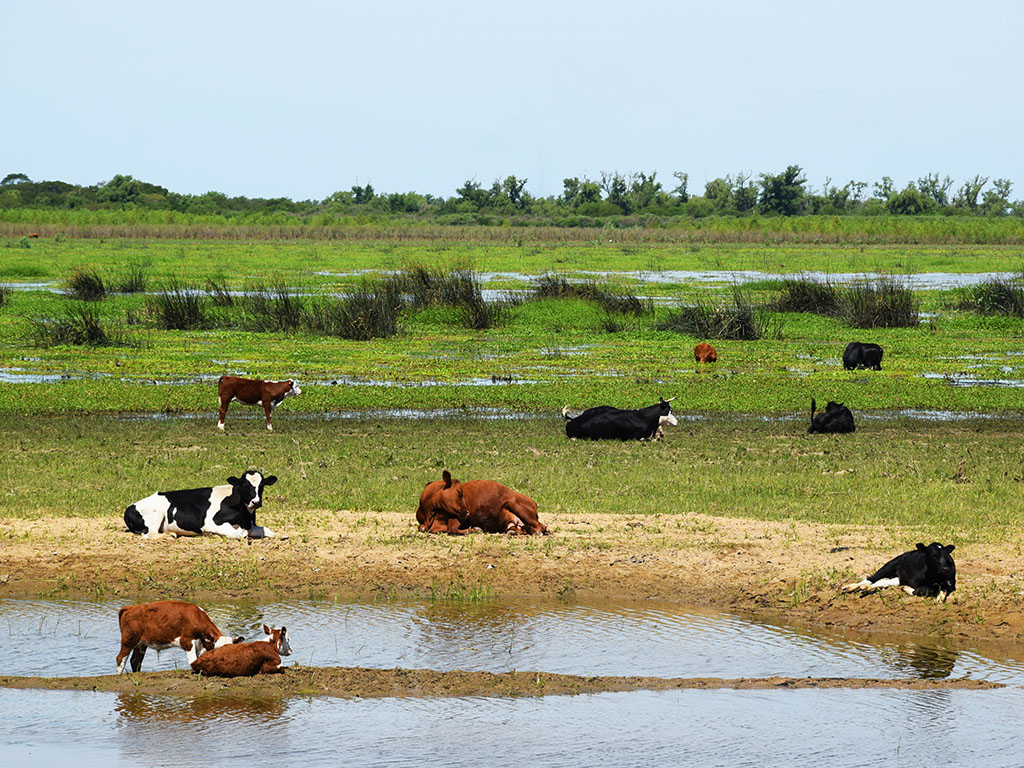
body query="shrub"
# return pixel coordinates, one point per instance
(807, 295)
(996, 296)
(85, 285)
(708, 319)
(882, 303)
(81, 325)
(177, 307)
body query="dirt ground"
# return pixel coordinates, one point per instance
(779, 571)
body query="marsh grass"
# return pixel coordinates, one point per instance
(219, 293)
(712, 318)
(132, 279)
(85, 285)
(79, 325)
(808, 295)
(179, 307)
(996, 296)
(273, 308)
(5, 295)
(882, 303)
(370, 311)
(613, 299)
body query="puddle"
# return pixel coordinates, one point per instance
(965, 380)
(477, 381)
(28, 376)
(721, 728)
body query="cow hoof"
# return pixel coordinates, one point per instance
(269, 428)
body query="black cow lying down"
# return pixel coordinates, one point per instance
(836, 418)
(607, 423)
(921, 571)
(859, 355)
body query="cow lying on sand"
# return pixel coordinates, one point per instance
(836, 418)
(229, 510)
(607, 423)
(167, 624)
(269, 394)
(448, 506)
(260, 657)
(921, 571)
(860, 356)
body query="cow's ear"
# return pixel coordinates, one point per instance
(266, 630)
(921, 546)
(949, 548)
(270, 480)
(234, 480)
(447, 477)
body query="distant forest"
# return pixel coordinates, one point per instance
(615, 199)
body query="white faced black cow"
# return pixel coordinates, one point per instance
(228, 510)
(921, 571)
(607, 423)
(858, 355)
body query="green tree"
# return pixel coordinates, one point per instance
(362, 195)
(120, 189)
(616, 189)
(996, 201)
(783, 193)
(15, 178)
(967, 196)
(908, 202)
(680, 190)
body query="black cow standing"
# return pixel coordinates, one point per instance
(858, 355)
(921, 571)
(607, 423)
(836, 418)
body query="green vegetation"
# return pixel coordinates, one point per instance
(958, 480)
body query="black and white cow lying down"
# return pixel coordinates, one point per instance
(228, 510)
(921, 571)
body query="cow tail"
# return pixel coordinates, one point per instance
(813, 405)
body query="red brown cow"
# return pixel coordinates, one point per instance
(260, 657)
(166, 624)
(448, 506)
(705, 353)
(269, 394)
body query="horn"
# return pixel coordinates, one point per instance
(670, 399)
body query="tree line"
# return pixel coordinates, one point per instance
(583, 201)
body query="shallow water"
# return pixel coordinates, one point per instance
(690, 727)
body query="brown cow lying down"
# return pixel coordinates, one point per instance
(448, 506)
(260, 657)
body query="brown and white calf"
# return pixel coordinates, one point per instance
(269, 394)
(260, 657)
(167, 624)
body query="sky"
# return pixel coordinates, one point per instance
(304, 98)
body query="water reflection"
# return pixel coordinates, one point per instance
(219, 707)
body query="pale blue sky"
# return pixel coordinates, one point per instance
(307, 97)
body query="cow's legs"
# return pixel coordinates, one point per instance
(223, 412)
(138, 654)
(126, 648)
(267, 408)
(228, 530)
(870, 586)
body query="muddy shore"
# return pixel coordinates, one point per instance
(779, 571)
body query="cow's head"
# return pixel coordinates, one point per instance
(666, 413)
(941, 568)
(442, 499)
(293, 389)
(279, 638)
(250, 488)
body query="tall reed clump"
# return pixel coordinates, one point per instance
(808, 295)
(5, 295)
(371, 311)
(881, 303)
(219, 293)
(134, 278)
(609, 298)
(459, 286)
(738, 319)
(273, 308)
(85, 285)
(995, 296)
(80, 325)
(178, 307)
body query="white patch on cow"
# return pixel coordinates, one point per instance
(153, 510)
(865, 585)
(668, 419)
(254, 479)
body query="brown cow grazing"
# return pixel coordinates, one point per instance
(448, 506)
(260, 657)
(705, 353)
(269, 394)
(167, 624)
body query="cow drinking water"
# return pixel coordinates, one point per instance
(921, 571)
(228, 510)
(861, 356)
(607, 423)
(166, 624)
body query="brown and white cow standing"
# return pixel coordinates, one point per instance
(448, 506)
(166, 624)
(269, 394)
(260, 657)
